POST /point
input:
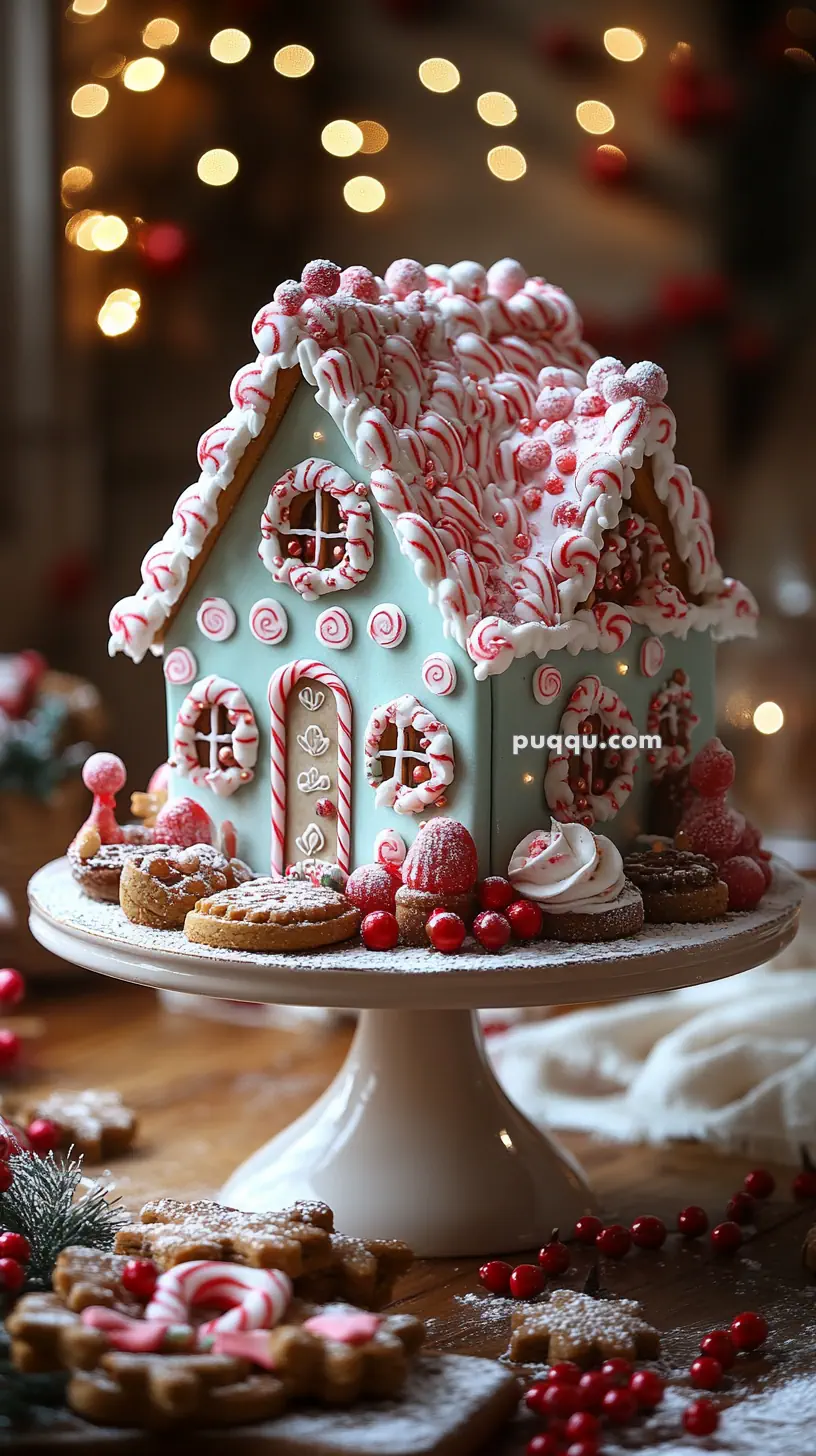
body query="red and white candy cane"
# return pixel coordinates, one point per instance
(439, 674)
(216, 693)
(216, 619)
(436, 751)
(387, 625)
(280, 686)
(390, 849)
(547, 684)
(180, 666)
(590, 698)
(268, 621)
(614, 626)
(255, 1299)
(490, 645)
(652, 656)
(334, 628)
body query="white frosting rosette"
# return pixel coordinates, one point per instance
(567, 868)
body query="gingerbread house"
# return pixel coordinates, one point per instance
(432, 532)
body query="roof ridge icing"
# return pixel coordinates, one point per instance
(500, 449)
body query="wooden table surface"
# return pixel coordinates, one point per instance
(208, 1093)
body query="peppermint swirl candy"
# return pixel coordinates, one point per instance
(439, 674)
(387, 625)
(180, 666)
(268, 621)
(389, 848)
(547, 685)
(216, 619)
(334, 628)
(652, 656)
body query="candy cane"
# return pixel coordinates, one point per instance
(213, 447)
(334, 628)
(268, 621)
(547, 685)
(652, 656)
(194, 515)
(439, 674)
(180, 666)
(280, 686)
(387, 625)
(216, 619)
(256, 1299)
(389, 848)
(614, 626)
(491, 646)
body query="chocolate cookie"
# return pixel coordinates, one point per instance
(677, 885)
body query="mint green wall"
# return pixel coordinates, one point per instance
(518, 808)
(372, 674)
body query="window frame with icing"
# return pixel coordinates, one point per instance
(219, 695)
(317, 478)
(407, 714)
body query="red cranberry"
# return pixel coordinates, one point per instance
(446, 931)
(647, 1387)
(564, 1372)
(706, 1372)
(587, 1229)
(616, 1371)
(44, 1136)
(496, 893)
(12, 987)
(526, 1281)
(701, 1417)
(546, 1443)
(692, 1221)
(614, 1241)
(583, 1426)
(804, 1184)
(648, 1232)
(726, 1237)
(491, 929)
(9, 1046)
(555, 1257)
(380, 930)
(526, 919)
(139, 1278)
(749, 1330)
(719, 1346)
(12, 1275)
(561, 1401)
(741, 1208)
(15, 1246)
(592, 1388)
(760, 1183)
(619, 1406)
(495, 1276)
(585, 1447)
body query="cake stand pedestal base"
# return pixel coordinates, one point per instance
(415, 1139)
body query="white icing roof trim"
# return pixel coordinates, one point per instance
(499, 449)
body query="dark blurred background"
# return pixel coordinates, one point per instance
(165, 165)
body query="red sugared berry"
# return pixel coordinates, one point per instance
(719, 1346)
(9, 1047)
(712, 769)
(44, 1135)
(555, 1257)
(526, 919)
(6, 1177)
(592, 1388)
(760, 1183)
(491, 930)
(616, 1371)
(564, 1372)
(619, 1406)
(546, 1443)
(726, 1237)
(648, 1232)
(706, 1372)
(583, 1426)
(713, 829)
(692, 1221)
(12, 1275)
(139, 1278)
(495, 1276)
(647, 1387)
(371, 887)
(380, 930)
(496, 893)
(15, 1246)
(526, 1281)
(741, 1208)
(614, 1241)
(587, 1229)
(749, 1330)
(12, 987)
(701, 1418)
(321, 278)
(745, 881)
(561, 1401)
(446, 931)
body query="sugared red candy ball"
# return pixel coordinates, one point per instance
(321, 278)
(587, 1229)
(405, 276)
(804, 1184)
(104, 773)
(44, 1136)
(289, 297)
(360, 283)
(706, 1372)
(526, 919)
(184, 822)
(719, 1346)
(496, 893)
(12, 987)
(712, 769)
(749, 1330)
(10, 1047)
(492, 930)
(15, 1246)
(647, 1387)
(713, 829)
(759, 1183)
(558, 1401)
(648, 380)
(701, 1418)
(692, 1221)
(614, 1241)
(726, 1237)
(380, 930)
(745, 881)
(372, 887)
(446, 931)
(442, 859)
(12, 1276)
(495, 1276)
(139, 1278)
(526, 1281)
(648, 1232)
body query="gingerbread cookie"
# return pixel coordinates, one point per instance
(159, 1392)
(94, 1121)
(363, 1272)
(336, 1354)
(46, 1335)
(578, 1327)
(84, 1277)
(159, 888)
(97, 867)
(439, 873)
(273, 915)
(677, 885)
(295, 1240)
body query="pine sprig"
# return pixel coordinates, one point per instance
(44, 1203)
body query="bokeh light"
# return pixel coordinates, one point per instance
(595, 117)
(109, 233)
(800, 57)
(681, 53)
(293, 61)
(88, 7)
(507, 163)
(108, 65)
(117, 315)
(768, 717)
(801, 21)
(437, 74)
(496, 108)
(364, 194)
(217, 167)
(89, 100)
(160, 32)
(230, 46)
(83, 236)
(143, 74)
(129, 296)
(624, 44)
(76, 221)
(738, 709)
(375, 137)
(77, 179)
(341, 138)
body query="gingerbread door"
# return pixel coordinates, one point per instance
(310, 775)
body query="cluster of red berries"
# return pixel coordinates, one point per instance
(12, 991)
(525, 1281)
(575, 1404)
(15, 1252)
(719, 1348)
(712, 827)
(502, 915)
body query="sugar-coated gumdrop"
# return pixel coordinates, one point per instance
(289, 297)
(713, 828)
(360, 283)
(649, 380)
(442, 859)
(104, 773)
(469, 279)
(372, 887)
(159, 779)
(764, 866)
(534, 455)
(745, 881)
(506, 278)
(321, 278)
(554, 404)
(712, 769)
(184, 822)
(598, 372)
(404, 276)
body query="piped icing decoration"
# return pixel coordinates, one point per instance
(439, 674)
(268, 621)
(325, 555)
(501, 453)
(255, 1299)
(442, 859)
(652, 656)
(594, 782)
(216, 713)
(334, 628)
(547, 685)
(387, 625)
(671, 715)
(389, 848)
(216, 619)
(281, 684)
(346, 1327)
(180, 666)
(567, 868)
(419, 740)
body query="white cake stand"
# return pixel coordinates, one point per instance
(415, 1139)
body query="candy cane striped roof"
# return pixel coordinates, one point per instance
(498, 447)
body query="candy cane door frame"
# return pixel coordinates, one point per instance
(310, 775)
